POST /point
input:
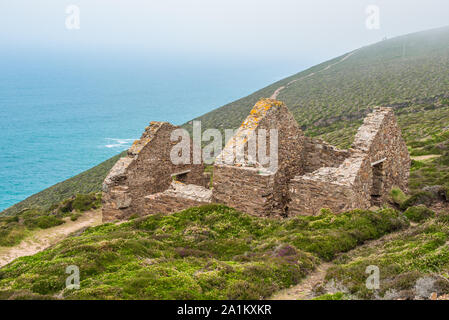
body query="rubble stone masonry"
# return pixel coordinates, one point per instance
(256, 188)
(378, 161)
(147, 169)
(310, 174)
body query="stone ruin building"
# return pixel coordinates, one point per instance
(310, 174)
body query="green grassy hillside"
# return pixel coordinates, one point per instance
(391, 71)
(211, 252)
(414, 264)
(409, 73)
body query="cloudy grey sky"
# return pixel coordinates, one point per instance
(280, 29)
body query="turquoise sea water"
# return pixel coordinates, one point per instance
(62, 115)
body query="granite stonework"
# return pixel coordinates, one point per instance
(308, 175)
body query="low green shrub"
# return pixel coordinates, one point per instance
(85, 202)
(398, 196)
(422, 197)
(79, 203)
(209, 252)
(75, 216)
(11, 236)
(331, 296)
(419, 213)
(45, 222)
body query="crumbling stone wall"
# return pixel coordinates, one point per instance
(177, 197)
(251, 186)
(146, 169)
(336, 188)
(381, 140)
(310, 174)
(378, 160)
(318, 154)
(246, 189)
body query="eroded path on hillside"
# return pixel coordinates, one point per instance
(278, 90)
(305, 289)
(42, 239)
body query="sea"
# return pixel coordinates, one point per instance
(63, 114)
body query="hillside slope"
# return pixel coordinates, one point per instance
(391, 71)
(210, 252)
(410, 73)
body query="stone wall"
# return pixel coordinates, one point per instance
(245, 189)
(177, 197)
(336, 188)
(378, 161)
(251, 186)
(147, 169)
(381, 139)
(318, 154)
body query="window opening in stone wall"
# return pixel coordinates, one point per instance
(181, 176)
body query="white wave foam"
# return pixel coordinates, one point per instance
(119, 143)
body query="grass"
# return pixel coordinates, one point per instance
(13, 229)
(412, 264)
(210, 252)
(398, 197)
(331, 296)
(389, 72)
(419, 213)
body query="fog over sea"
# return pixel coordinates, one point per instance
(61, 115)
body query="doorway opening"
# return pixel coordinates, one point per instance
(378, 180)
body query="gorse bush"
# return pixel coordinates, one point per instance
(85, 202)
(45, 222)
(210, 252)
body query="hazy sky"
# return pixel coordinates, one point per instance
(272, 29)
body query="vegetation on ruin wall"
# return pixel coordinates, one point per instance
(210, 252)
(15, 228)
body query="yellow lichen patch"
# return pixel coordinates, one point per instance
(257, 113)
(146, 138)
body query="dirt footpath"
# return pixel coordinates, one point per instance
(42, 239)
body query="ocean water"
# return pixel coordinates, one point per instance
(60, 115)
